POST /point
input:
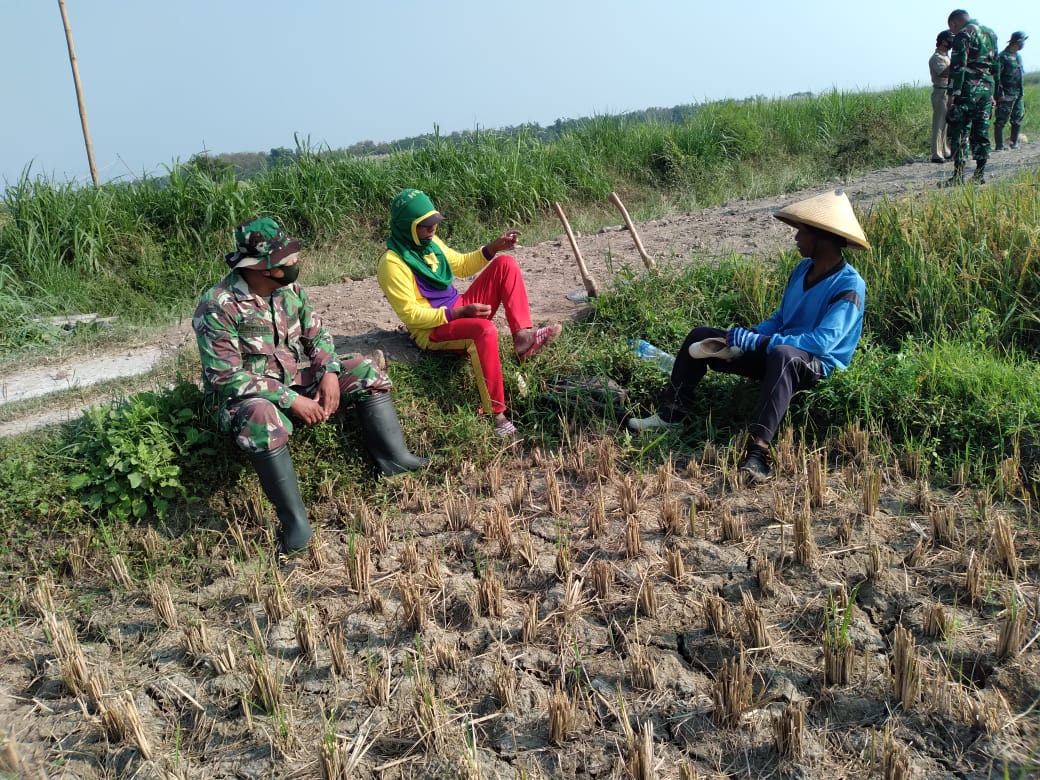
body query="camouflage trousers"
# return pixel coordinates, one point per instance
(1015, 110)
(968, 122)
(257, 424)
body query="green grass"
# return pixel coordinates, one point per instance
(144, 250)
(954, 382)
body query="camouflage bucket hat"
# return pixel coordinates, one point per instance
(261, 244)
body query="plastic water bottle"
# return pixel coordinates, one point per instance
(652, 354)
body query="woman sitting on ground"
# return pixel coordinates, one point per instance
(417, 274)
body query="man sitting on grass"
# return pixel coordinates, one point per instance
(815, 330)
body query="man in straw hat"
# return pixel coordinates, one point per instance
(267, 359)
(1008, 94)
(815, 331)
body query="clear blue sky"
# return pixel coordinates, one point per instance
(164, 80)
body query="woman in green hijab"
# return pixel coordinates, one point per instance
(417, 274)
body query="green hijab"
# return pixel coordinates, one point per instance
(425, 258)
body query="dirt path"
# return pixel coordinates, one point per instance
(362, 321)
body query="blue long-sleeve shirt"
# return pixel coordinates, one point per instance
(824, 318)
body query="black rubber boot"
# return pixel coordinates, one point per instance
(979, 177)
(381, 432)
(278, 479)
(957, 178)
(1014, 136)
(998, 138)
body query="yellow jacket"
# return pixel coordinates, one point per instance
(399, 286)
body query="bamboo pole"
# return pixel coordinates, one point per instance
(590, 284)
(647, 260)
(79, 92)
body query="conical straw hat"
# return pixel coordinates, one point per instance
(831, 211)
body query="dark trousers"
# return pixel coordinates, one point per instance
(782, 372)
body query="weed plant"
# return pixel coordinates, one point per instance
(124, 457)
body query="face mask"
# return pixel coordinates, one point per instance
(289, 274)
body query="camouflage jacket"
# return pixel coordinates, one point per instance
(257, 347)
(1009, 76)
(973, 61)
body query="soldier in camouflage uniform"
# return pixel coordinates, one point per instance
(268, 359)
(973, 67)
(1009, 91)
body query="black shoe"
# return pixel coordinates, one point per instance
(979, 176)
(755, 468)
(1013, 146)
(938, 160)
(956, 179)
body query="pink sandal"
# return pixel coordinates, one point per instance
(506, 430)
(542, 338)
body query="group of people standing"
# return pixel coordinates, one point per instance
(969, 79)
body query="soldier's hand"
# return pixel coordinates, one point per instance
(307, 410)
(328, 393)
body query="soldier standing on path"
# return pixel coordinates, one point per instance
(973, 69)
(939, 68)
(1009, 91)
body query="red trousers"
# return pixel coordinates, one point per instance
(499, 284)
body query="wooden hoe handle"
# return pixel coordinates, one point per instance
(647, 260)
(590, 284)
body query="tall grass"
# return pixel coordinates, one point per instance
(143, 250)
(961, 263)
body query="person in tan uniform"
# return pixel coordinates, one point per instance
(939, 68)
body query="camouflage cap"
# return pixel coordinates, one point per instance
(1018, 36)
(261, 244)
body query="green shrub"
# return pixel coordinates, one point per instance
(126, 457)
(954, 399)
